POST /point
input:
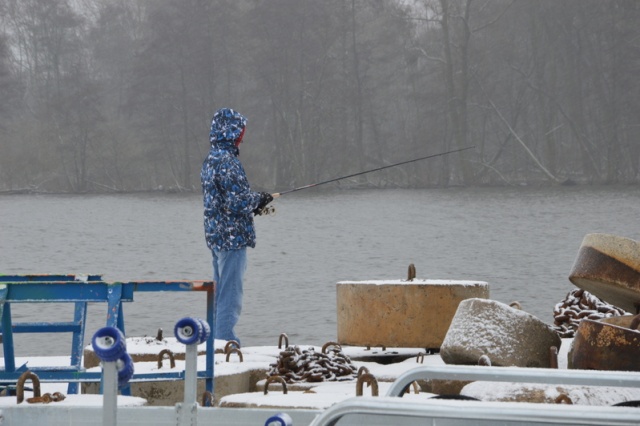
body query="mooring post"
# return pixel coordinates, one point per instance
(187, 411)
(109, 394)
(109, 345)
(191, 374)
(190, 332)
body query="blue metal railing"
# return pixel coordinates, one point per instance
(81, 290)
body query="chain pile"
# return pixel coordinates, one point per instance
(577, 305)
(295, 365)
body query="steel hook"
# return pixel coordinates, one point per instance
(563, 399)
(329, 344)
(370, 380)
(413, 384)
(20, 385)
(228, 345)
(207, 399)
(283, 336)
(237, 351)
(411, 273)
(362, 370)
(553, 357)
(172, 359)
(272, 379)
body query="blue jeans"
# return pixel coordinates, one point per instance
(228, 271)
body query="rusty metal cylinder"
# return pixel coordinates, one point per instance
(607, 344)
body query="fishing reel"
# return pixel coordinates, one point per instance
(268, 209)
(265, 211)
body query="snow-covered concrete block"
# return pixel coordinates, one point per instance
(507, 336)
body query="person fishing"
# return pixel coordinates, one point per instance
(229, 207)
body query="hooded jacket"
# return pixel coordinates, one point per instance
(229, 202)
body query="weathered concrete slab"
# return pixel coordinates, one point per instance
(168, 393)
(231, 375)
(400, 313)
(507, 336)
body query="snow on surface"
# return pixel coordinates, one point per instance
(70, 400)
(501, 324)
(579, 395)
(150, 345)
(417, 281)
(324, 394)
(75, 400)
(320, 397)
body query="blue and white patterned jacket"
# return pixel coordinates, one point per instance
(229, 202)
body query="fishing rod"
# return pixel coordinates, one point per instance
(267, 210)
(312, 185)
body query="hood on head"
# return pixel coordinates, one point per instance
(226, 126)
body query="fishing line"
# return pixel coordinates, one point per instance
(271, 210)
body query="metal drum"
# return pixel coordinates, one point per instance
(608, 344)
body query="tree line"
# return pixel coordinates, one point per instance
(117, 95)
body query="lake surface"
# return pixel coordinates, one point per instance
(522, 241)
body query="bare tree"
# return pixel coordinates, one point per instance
(118, 94)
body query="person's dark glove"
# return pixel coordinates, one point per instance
(265, 198)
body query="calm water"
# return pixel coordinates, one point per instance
(521, 241)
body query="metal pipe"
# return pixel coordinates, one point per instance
(109, 394)
(190, 374)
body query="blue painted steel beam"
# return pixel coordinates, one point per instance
(46, 327)
(69, 291)
(48, 277)
(67, 374)
(94, 291)
(53, 376)
(156, 286)
(77, 341)
(7, 339)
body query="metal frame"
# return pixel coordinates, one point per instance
(478, 412)
(399, 412)
(521, 375)
(81, 290)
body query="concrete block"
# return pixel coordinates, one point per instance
(400, 313)
(508, 336)
(608, 266)
(90, 359)
(170, 392)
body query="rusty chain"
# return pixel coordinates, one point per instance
(296, 365)
(577, 305)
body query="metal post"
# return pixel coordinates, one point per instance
(187, 411)
(7, 339)
(191, 374)
(109, 393)
(77, 341)
(211, 349)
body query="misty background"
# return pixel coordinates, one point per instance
(117, 95)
